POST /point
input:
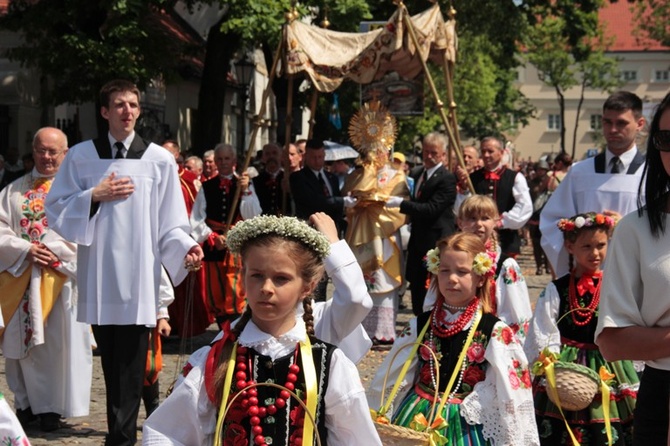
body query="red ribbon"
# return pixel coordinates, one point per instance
(585, 283)
(225, 183)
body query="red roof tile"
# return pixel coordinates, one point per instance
(620, 23)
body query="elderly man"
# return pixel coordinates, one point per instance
(118, 198)
(430, 212)
(607, 183)
(508, 188)
(223, 281)
(209, 169)
(47, 352)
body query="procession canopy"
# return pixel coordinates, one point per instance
(330, 57)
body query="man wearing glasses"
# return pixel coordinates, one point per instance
(45, 348)
(606, 183)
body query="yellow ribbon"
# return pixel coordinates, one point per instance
(310, 388)
(605, 376)
(551, 389)
(385, 407)
(461, 358)
(226, 393)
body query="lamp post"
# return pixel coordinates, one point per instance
(244, 72)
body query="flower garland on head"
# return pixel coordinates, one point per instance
(587, 220)
(288, 227)
(482, 265)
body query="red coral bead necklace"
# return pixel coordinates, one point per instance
(250, 402)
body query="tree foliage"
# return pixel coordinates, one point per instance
(81, 44)
(653, 19)
(565, 42)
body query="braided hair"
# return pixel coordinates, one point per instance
(310, 267)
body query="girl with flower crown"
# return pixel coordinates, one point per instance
(479, 215)
(244, 388)
(563, 328)
(484, 383)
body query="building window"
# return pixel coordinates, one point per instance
(629, 75)
(553, 122)
(662, 76)
(596, 122)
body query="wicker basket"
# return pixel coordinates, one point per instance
(394, 435)
(576, 385)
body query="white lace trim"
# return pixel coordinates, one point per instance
(507, 423)
(267, 345)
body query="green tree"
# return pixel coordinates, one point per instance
(654, 25)
(565, 42)
(78, 45)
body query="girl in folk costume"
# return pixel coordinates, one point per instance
(217, 403)
(373, 229)
(484, 381)
(563, 326)
(478, 215)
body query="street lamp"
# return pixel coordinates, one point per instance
(244, 72)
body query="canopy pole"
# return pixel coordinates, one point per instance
(440, 105)
(258, 121)
(287, 140)
(312, 111)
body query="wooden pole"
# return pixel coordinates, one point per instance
(258, 121)
(407, 20)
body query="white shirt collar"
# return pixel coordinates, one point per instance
(126, 142)
(266, 344)
(431, 171)
(626, 158)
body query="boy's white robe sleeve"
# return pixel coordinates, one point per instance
(543, 331)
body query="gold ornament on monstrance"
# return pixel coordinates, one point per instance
(372, 129)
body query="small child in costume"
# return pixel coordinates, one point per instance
(479, 215)
(564, 323)
(11, 431)
(484, 382)
(283, 261)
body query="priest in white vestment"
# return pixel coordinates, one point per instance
(118, 197)
(607, 183)
(47, 352)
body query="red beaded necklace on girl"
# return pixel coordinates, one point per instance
(582, 314)
(250, 402)
(439, 318)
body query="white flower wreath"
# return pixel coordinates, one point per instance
(288, 227)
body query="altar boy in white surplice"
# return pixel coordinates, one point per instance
(609, 181)
(119, 198)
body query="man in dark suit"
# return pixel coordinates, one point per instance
(430, 212)
(314, 189)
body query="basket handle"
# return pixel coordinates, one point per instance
(403, 372)
(278, 386)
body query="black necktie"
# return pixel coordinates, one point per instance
(423, 179)
(326, 192)
(617, 165)
(119, 150)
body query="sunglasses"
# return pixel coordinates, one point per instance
(662, 140)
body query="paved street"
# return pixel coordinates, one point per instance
(90, 430)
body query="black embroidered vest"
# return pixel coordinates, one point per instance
(451, 348)
(501, 192)
(567, 327)
(280, 427)
(269, 192)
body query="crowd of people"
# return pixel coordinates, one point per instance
(118, 242)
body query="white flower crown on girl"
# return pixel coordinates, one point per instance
(288, 227)
(482, 265)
